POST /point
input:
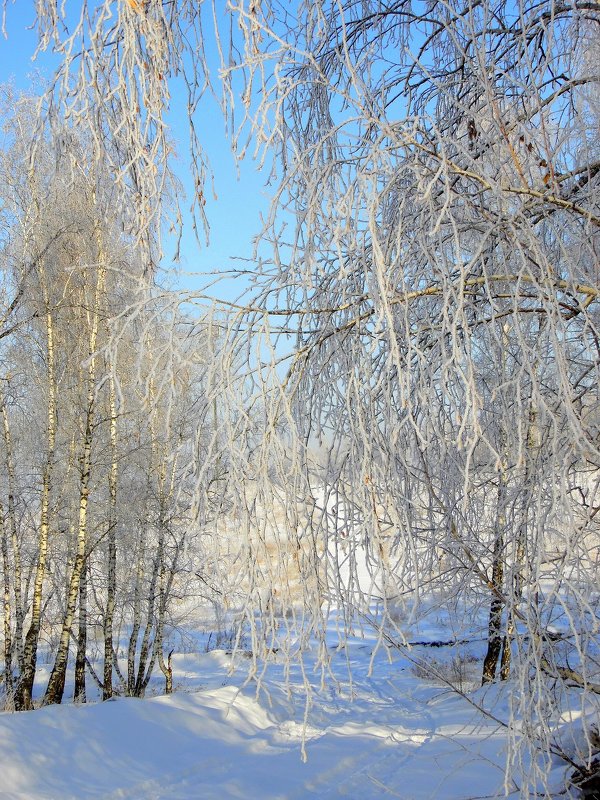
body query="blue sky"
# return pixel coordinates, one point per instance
(234, 216)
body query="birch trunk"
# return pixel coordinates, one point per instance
(496, 637)
(8, 646)
(152, 619)
(14, 539)
(107, 691)
(490, 663)
(23, 696)
(141, 683)
(136, 622)
(80, 658)
(165, 591)
(56, 683)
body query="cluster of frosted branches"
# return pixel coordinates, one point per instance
(441, 170)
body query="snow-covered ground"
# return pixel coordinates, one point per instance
(378, 722)
(390, 732)
(398, 737)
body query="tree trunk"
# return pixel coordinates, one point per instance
(495, 633)
(107, 690)
(151, 621)
(79, 690)
(165, 590)
(166, 669)
(136, 622)
(8, 646)
(23, 696)
(141, 683)
(492, 655)
(56, 684)
(506, 649)
(12, 525)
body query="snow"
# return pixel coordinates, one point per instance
(377, 725)
(399, 736)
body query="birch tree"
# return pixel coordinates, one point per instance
(72, 276)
